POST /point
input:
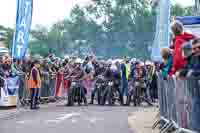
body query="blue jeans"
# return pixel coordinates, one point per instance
(124, 87)
(195, 120)
(52, 87)
(34, 97)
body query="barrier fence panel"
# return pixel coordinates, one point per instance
(179, 102)
(165, 98)
(193, 86)
(183, 103)
(171, 99)
(45, 92)
(22, 86)
(160, 93)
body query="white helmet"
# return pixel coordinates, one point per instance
(148, 63)
(142, 63)
(66, 57)
(109, 61)
(113, 67)
(78, 61)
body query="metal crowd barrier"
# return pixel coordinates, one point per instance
(179, 102)
(46, 91)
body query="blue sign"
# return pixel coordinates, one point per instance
(12, 85)
(189, 20)
(23, 25)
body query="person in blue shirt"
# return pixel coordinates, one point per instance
(125, 69)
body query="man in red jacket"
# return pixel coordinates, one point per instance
(181, 37)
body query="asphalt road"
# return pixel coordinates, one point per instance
(61, 119)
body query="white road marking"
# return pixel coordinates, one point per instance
(74, 121)
(20, 122)
(24, 122)
(68, 116)
(94, 119)
(61, 119)
(52, 121)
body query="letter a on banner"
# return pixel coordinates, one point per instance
(23, 25)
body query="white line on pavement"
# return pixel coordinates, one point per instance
(94, 119)
(52, 121)
(74, 121)
(66, 116)
(20, 122)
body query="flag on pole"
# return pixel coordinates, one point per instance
(23, 25)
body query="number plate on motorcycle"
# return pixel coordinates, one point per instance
(110, 83)
(73, 83)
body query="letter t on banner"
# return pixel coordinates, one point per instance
(23, 25)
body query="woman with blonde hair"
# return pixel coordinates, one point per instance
(167, 55)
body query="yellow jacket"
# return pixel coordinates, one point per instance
(128, 70)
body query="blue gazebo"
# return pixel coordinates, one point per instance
(189, 20)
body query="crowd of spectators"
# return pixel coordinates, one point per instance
(182, 58)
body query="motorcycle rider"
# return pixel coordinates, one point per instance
(107, 77)
(112, 73)
(135, 75)
(116, 73)
(99, 70)
(138, 83)
(77, 74)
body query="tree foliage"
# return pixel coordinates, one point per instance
(6, 35)
(178, 10)
(107, 27)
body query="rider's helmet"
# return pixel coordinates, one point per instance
(89, 68)
(78, 61)
(113, 67)
(109, 62)
(148, 63)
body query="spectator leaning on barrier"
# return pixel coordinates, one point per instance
(167, 55)
(194, 65)
(180, 37)
(191, 51)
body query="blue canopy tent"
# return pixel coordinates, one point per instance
(191, 23)
(189, 20)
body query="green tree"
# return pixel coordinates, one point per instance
(108, 27)
(178, 10)
(6, 35)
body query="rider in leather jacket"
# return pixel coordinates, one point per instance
(77, 74)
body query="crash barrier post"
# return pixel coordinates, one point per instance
(179, 104)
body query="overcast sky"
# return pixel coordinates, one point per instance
(47, 12)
